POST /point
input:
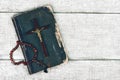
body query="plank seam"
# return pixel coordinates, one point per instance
(76, 59)
(71, 12)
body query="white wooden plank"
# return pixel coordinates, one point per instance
(8, 36)
(79, 70)
(91, 35)
(112, 6)
(86, 36)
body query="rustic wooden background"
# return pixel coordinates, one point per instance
(91, 33)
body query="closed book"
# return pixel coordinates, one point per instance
(38, 28)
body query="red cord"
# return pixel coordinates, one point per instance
(22, 62)
(34, 59)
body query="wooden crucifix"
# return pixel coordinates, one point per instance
(38, 30)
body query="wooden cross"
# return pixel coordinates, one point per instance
(38, 30)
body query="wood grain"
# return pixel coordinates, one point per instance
(78, 70)
(99, 6)
(86, 36)
(90, 30)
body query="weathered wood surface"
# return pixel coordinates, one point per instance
(104, 6)
(86, 36)
(90, 30)
(74, 70)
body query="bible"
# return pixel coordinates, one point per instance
(39, 38)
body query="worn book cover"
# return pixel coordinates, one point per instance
(38, 28)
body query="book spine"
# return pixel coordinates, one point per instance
(17, 29)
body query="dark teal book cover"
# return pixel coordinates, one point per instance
(38, 28)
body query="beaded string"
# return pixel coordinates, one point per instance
(34, 59)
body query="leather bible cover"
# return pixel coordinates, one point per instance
(40, 17)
